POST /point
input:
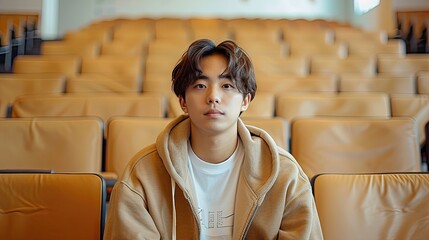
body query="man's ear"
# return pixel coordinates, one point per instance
(246, 102)
(183, 104)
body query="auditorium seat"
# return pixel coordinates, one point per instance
(355, 145)
(108, 73)
(415, 106)
(280, 65)
(373, 206)
(384, 83)
(292, 105)
(316, 49)
(136, 31)
(262, 48)
(59, 144)
(35, 64)
(366, 66)
(278, 128)
(70, 48)
(423, 82)
(101, 105)
(282, 84)
(126, 47)
(89, 34)
(14, 85)
(126, 136)
(262, 106)
(52, 206)
(409, 64)
(393, 47)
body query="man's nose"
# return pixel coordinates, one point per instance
(213, 96)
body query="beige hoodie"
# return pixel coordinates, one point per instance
(153, 198)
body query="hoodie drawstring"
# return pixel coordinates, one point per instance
(173, 193)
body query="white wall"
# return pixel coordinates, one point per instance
(77, 13)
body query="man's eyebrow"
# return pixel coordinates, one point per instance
(225, 75)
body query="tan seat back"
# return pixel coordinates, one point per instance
(413, 106)
(278, 128)
(35, 64)
(70, 48)
(380, 83)
(292, 105)
(281, 65)
(423, 82)
(373, 206)
(59, 144)
(351, 65)
(355, 145)
(409, 64)
(126, 136)
(262, 106)
(108, 73)
(280, 84)
(103, 106)
(52, 206)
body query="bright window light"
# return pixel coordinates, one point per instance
(363, 6)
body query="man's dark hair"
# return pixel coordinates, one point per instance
(240, 67)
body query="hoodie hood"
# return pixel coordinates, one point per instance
(260, 175)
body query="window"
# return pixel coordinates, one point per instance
(364, 6)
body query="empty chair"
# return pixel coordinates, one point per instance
(84, 35)
(351, 34)
(101, 105)
(124, 47)
(281, 65)
(108, 73)
(409, 64)
(70, 48)
(280, 84)
(277, 127)
(355, 145)
(66, 65)
(423, 82)
(351, 65)
(15, 85)
(394, 47)
(415, 106)
(52, 206)
(59, 144)
(292, 105)
(261, 48)
(262, 106)
(316, 49)
(373, 206)
(379, 83)
(126, 136)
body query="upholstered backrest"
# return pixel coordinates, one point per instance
(281, 84)
(355, 145)
(415, 106)
(409, 64)
(281, 65)
(373, 206)
(59, 144)
(14, 85)
(52, 206)
(380, 83)
(70, 48)
(66, 65)
(128, 135)
(262, 106)
(334, 65)
(278, 128)
(292, 105)
(104, 106)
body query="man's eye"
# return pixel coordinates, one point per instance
(199, 85)
(228, 86)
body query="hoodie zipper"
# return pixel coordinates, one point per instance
(250, 222)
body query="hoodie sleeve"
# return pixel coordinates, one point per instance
(128, 217)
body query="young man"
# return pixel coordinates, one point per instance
(209, 176)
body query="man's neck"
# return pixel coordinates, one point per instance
(214, 148)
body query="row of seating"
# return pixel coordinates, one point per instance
(72, 205)
(287, 105)
(119, 74)
(320, 144)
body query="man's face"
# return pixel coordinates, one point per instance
(213, 102)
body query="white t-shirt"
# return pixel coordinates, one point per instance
(215, 187)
